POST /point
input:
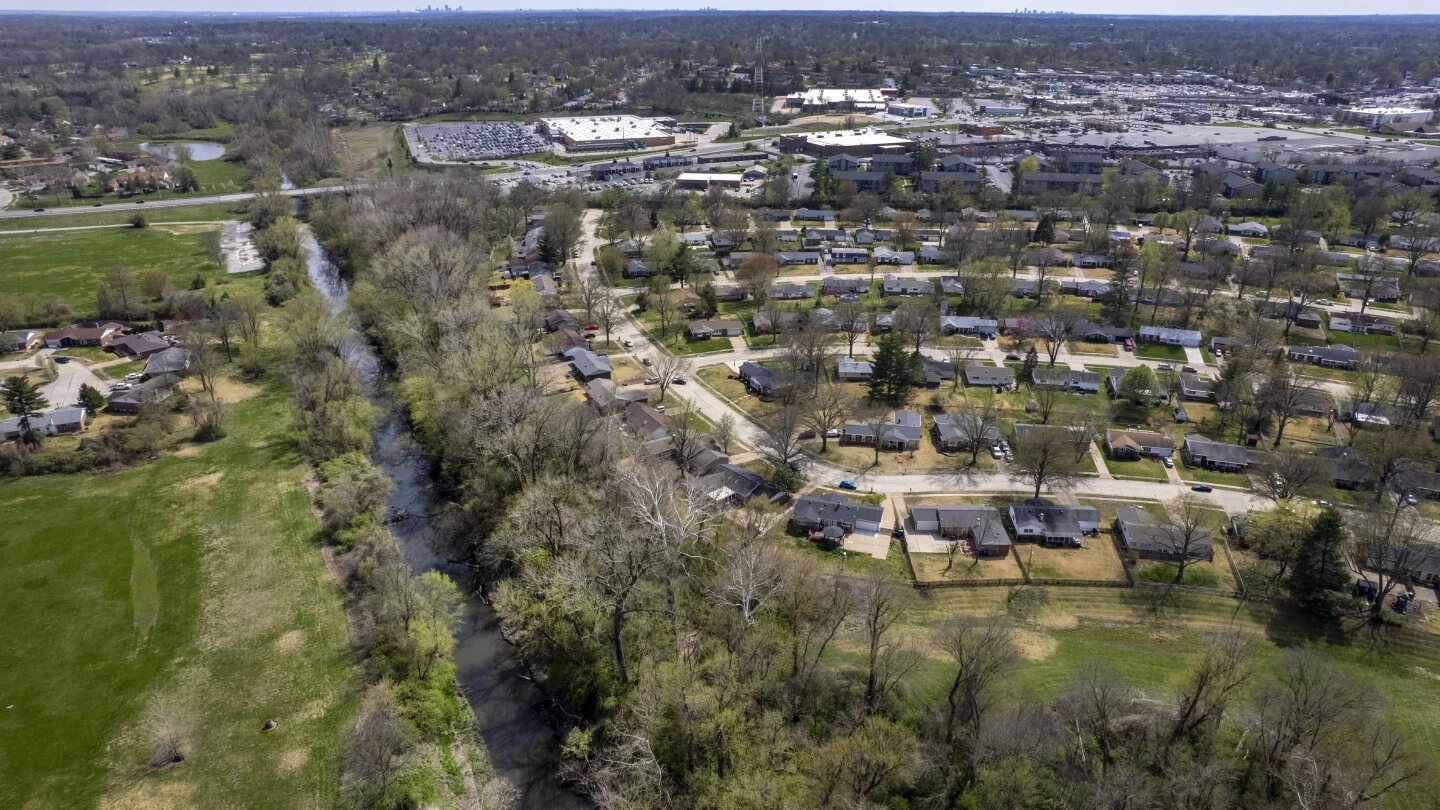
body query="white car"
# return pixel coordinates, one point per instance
(121, 386)
(133, 376)
(1325, 302)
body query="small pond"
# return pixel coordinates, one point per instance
(198, 150)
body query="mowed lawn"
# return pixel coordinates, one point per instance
(71, 264)
(190, 588)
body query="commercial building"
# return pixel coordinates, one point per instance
(704, 180)
(829, 99)
(1374, 117)
(607, 132)
(859, 143)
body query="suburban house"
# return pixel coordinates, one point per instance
(844, 255)
(980, 530)
(636, 268)
(1362, 324)
(1068, 182)
(69, 419)
(936, 371)
(1381, 287)
(902, 432)
(885, 255)
(796, 258)
(1304, 317)
(848, 369)
(1140, 534)
(703, 330)
(1422, 567)
(884, 322)
(1197, 388)
(894, 285)
(557, 319)
(839, 285)
(142, 394)
(1070, 380)
(953, 432)
(21, 340)
(139, 346)
(1090, 260)
(990, 376)
(764, 381)
(730, 294)
(82, 334)
(791, 292)
(968, 325)
(1251, 230)
(1348, 469)
(174, 360)
(1167, 336)
(1132, 444)
(646, 422)
(732, 484)
(1202, 452)
(1052, 525)
(813, 215)
(950, 285)
(1335, 355)
(608, 398)
(587, 364)
(817, 513)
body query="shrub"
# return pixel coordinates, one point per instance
(138, 221)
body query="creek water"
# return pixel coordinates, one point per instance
(509, 707)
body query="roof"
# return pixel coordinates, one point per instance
(1052, 521)
(731, 480)
(587, 362)
(957, 427)
(143, 344)
(977, 372)
(1142, 533)
(849, 365)
(1195, 444)
(147, 391)
(1335, 352)
(1165, 334)
(171, 361)
(968, 519)
(1138, 439)
(835, 508)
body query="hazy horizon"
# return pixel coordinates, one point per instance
(1220, 8)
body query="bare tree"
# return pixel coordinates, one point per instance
(1390, 542)
(826, 408)
(811, 610)
(724, 432)
(667, 367)
(1095, 708)
(749, 574)
(851, 322)
(376, 747)
(960, 355)
(1201, 701)
(165, 732)
(660, 302)
(1281, 476)
(977, 422)
(985, 655)
(590, 290)
(1046, 398)
(609, 313)
(1045, 458)
(917, 321)
(1054, 328)
(881, 607)
(780, 438)
(1285, 394)
(756, 274)
(1182, 532)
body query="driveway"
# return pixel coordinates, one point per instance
(1194, 357)
(65, 390)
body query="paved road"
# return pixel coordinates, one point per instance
(178, 202)
(65, 390)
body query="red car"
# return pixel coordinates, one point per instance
(1129, 345)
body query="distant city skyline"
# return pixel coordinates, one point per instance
(1125, 7)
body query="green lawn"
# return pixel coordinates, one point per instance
(117, 214)
(1156, 351)
(193, 583)
(70, 264)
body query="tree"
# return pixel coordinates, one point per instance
(1029, 364)
(377, 745)
(561, 233)
(1390, 541)
(985, 655)
(1284, 394)
(882, 605)
(250, 312)
(780, 439)
(1046, 399)
(724, 432)
(977, 420)
(756, 274)
(1281, 475)
(852, 323)
(91, 398)
(917, 320)
(118, 296)
(23, 399)
(1320, 576)
(1275, 535)
(1182, 531)
(1045, 458)
(1139, 385)
(892, 372)
(1054, 327)
(666, 368)
(825, 409)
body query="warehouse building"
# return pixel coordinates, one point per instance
(607, 132)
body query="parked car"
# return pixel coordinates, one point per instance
(847, 484)
(121, 386)
(1012, 356)
(808, 434)
(1169, 464)
(1164, 367)
(60, 358)
(996, 454)
(679, 381)
(1203, 488)
(652, 380)
(1325, 302)
(832, 433)
(134, 375)
(629, 344)
(1129, 345)
(1323, 504)
(659, 408)
(1188, 369)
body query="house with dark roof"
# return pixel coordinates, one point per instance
(1199, 451)
(1069, 182)
(969, 325)
(844, 255)
(1054, 525)
(20, 340)
(636, 268)
(1090, 260)
(935, 182)
(1140, 534)
(899, 164)
(587, 364)
(813, 215)
(607, 398)
(82, 334)
(980, 530)
(955, 432)
(557, 319)
(1133, 444)
(1197, 388)
(936, 372)
(173, 360)
(143, 393)
(842, 285)
(139, 346)
(990, 376)
(646, 422)
(816, 513)
(732, 484)
(1348, 468)
(902, 432)
(844, 163)
(1336, 355)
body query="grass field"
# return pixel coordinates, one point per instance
(1157, 351)
(188, 587)
(70, 264)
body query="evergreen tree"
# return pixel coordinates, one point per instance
(23, 398)
(893, 372)
(821, 180)
(1045, 229)
(1320, 577)
(708, 303)
(91, 398)
(1027, 371)
(682, 265)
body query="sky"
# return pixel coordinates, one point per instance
(1147, 7)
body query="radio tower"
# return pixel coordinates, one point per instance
(757, 105)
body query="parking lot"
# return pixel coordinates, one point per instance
(473, 140)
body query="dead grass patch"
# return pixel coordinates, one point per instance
(202, 482)
(294, 759)
(1097, 560)
(290, 641)
(1035, 646)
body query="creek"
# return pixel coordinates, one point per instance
(509, 708)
